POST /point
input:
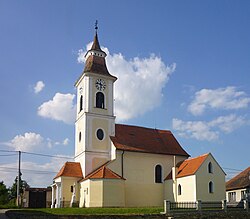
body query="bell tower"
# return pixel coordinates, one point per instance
(95, 120)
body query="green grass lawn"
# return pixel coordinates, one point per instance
(97, 211)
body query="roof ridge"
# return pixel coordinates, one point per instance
(145, 127)
(192, 158)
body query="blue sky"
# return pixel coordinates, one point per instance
(188, 62)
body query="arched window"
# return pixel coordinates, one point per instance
(179, 189)
(100, 100)
(210, 167)
(158, 174)
(210, 187)
(81, 103)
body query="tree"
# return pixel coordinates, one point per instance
(3, 194)
(13, 188)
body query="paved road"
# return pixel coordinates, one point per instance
(2, 214)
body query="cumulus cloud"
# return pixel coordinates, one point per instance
(229, 123)
(140, 82)
(31, 141)
(199, 130)
(61, 108)
(39, 87)
(210, 131)
(28, 142)
(221, 98)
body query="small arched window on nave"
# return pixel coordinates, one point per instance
(158, 174)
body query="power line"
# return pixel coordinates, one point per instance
(37, 154)
(9, 151)
(7, 155)
(227, 168)
(38, 171)
(46, 155)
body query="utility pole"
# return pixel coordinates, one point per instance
(18, 178)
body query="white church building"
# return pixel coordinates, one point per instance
(126, 166)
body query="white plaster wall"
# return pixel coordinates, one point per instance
(188, 189)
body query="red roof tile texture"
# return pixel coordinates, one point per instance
(71, 169)
(188, 167)
(242, 180)
(146, 140)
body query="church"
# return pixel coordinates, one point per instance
(120, 165)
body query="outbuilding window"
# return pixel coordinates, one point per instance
(210, 167)
(210, 187)
(158, 174)
(179, 189)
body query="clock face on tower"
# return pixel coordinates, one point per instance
(100, 84)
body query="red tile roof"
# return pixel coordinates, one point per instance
(71, 169)
(188, 167)
(147, 140)
(103, 172)
(242, 180)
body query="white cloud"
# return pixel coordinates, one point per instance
(194, 129)
(27, 142)
(221, 98)
(140, 82)
(210, 131)
(66, 141)
(39, 87)
(60, 108)
(32, 142)
(229, 123)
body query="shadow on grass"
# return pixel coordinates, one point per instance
(73, 213)
(19, 213)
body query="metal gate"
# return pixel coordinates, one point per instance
(37, 199)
